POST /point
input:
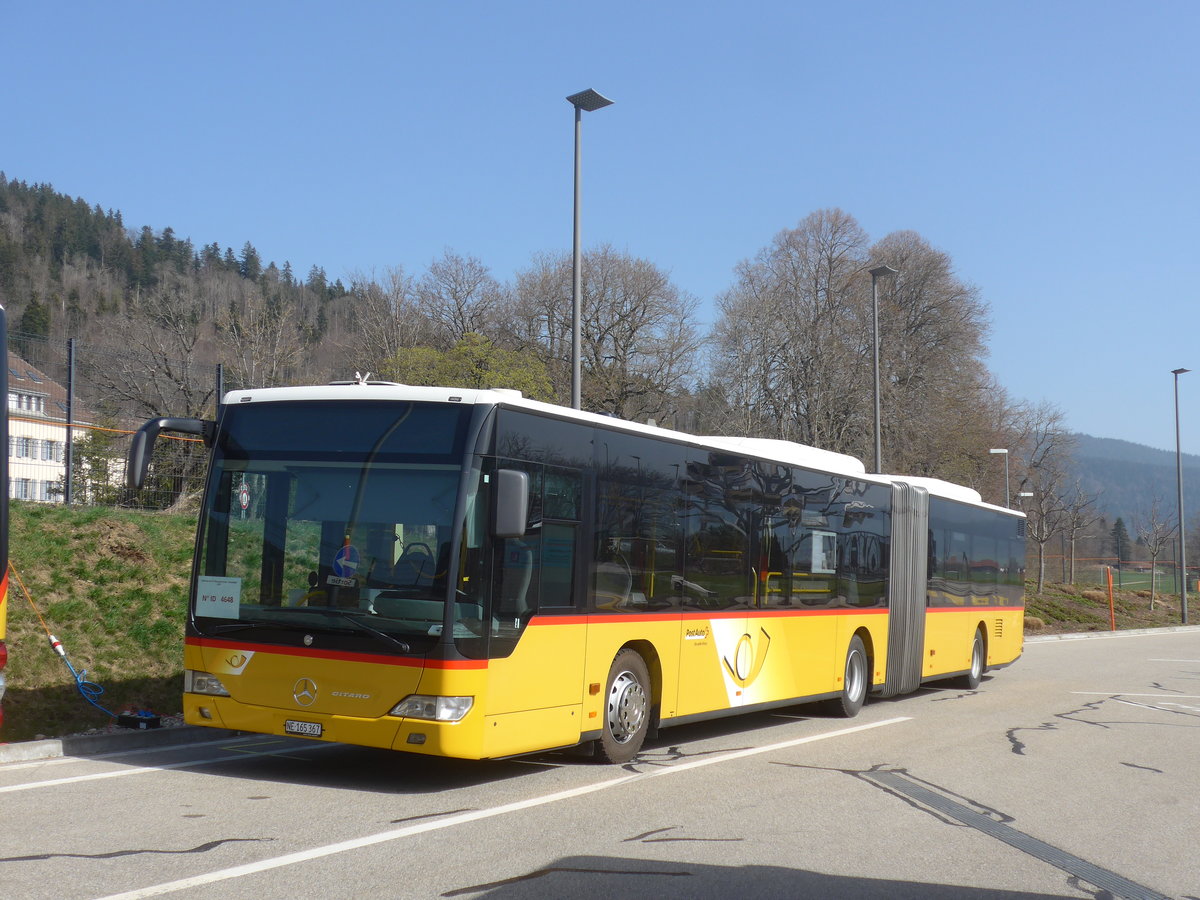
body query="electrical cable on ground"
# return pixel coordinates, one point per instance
(89, 690)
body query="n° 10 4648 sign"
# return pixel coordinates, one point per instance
(244, 496)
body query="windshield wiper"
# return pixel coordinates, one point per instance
(350, 617)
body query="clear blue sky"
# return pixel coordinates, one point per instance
(1050, 148)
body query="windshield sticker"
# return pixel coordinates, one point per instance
(218, 598)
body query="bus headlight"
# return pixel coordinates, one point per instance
(437, 709)
(202, 683)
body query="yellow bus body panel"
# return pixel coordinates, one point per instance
(551, 690)
(950, 635)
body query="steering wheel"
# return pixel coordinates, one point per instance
(417, 549)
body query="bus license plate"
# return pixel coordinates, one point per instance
(308, 729)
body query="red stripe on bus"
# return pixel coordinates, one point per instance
(343, 655)
(974, 609)
(626, 618)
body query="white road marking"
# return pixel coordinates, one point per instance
(165, 748)
(1128, 694)
(142, 770)
(473, 816)
(1175, 660)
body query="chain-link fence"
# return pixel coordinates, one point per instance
(72, 409)
(1129, 575)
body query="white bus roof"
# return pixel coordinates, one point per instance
(786, 452)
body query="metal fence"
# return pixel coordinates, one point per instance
(72, 409)
(1127, 574)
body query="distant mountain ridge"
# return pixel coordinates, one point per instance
(1128, 477)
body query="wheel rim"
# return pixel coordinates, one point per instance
(626, 707)
(976, 661)
(856, 677)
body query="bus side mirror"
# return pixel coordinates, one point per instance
(510, 503)
(142, 444)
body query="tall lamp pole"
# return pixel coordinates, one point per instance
(875, 275)
(1007, 495)
(584, 101)
(1183, 610)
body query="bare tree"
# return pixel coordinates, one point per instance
(1156, 535)
(460, 295)
(263, 341)
(940, 405)
(1044, 460)
(1079, 514)
(387, 319)
(640, 343)
(790, 335)
(793, 350)
(157, 369)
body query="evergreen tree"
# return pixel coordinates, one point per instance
(250, 264)
(1120, 540)
(35, 319)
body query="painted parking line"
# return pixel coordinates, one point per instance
(476, 815)
(235, 753)
(1159, 696)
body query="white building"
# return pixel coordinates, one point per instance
(37, 433)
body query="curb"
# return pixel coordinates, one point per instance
(99, 744)
(1120, 632)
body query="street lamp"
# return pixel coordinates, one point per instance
(875, 275)
(1004, 451)
(1183, 612)
(584, 101)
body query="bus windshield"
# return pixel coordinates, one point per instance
(343, 529)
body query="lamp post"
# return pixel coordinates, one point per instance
(1004, 452)
(584, 101)
(1183, 610)
(875, 275)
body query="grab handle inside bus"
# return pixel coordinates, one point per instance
(510, 503)
(142, 445)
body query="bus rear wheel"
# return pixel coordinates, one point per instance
(626, 708)
(978, 662)
(855, 681)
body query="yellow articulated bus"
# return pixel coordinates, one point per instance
(474, 574)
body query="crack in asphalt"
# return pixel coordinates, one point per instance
(117, 854)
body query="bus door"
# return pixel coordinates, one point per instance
(538, 637)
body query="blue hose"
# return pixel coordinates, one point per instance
(88, 690)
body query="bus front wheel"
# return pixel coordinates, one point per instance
(626, 708)
(855, 680)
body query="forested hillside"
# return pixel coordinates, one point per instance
(1128, 478)
(789, 355)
